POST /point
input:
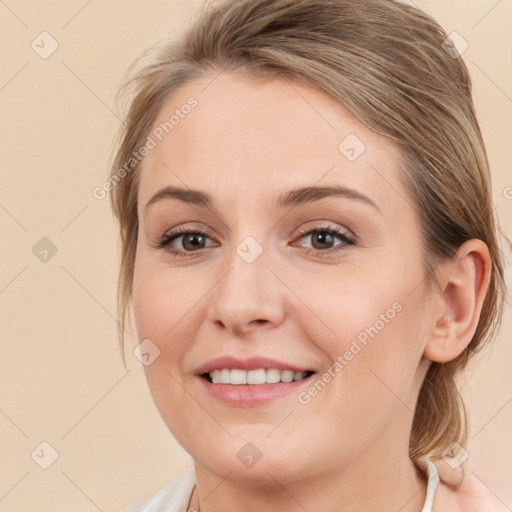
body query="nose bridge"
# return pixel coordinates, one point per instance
(246, 296)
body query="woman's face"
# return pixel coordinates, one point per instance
(306, 257)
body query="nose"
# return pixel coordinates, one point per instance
(247, 298)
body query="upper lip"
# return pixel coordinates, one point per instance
(251, 363)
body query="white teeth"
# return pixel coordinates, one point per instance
(287, 376)
(254, 377)
(238, 377)
(273, 376)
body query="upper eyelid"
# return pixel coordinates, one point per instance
(301, 232)
(320, 223)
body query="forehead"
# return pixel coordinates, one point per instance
(243, 134)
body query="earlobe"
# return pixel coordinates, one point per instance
(464, 282)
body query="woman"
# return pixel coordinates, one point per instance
(296, 185)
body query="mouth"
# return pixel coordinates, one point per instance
(251, 382)
(257, 377)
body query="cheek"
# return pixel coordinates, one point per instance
(163, 306)
(350, 304)
(373, 321)
(166, 305)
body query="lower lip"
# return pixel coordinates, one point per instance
(253, 394)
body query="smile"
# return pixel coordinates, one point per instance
(237, 377)
(255, 381)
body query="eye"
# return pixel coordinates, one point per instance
(326, 239)
(181, 241)
(185, 242)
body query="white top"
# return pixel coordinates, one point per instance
(174, 497)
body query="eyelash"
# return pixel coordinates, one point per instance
(167, 238)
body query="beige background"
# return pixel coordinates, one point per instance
(61, 376)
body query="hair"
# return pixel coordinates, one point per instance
(387, 63)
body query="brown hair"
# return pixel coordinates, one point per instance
(386, 62)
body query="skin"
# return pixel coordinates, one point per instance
(246, 143)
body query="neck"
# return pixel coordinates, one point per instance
(388, 484)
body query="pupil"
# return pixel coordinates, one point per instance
(323, 238)
(196, 240)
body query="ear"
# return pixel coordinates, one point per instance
(464, 282)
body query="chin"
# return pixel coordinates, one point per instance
(254, 459)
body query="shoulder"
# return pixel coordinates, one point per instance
(475, 493)
(173, 497)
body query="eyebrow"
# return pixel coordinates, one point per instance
(295, 197)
